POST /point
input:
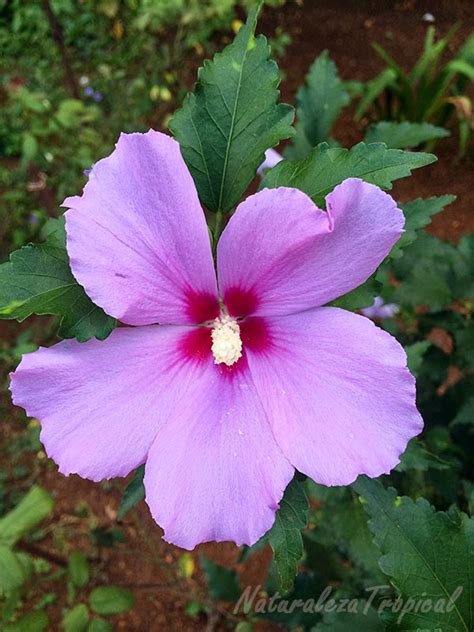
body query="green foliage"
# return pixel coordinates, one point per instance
(285, 535)
(78, 569)
(76, 619)
(418, 214)
(38, 280)
(232, 117)
(36, 621)
(442, 274)
(133, 494)
(111, 600)
(320, 100)
(425, 553)
(326, 167)
(403, 135)
(33, 509)
(223, 583)
(431, 92)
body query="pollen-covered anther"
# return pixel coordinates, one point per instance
(226, 343)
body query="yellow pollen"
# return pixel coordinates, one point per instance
(226, 343)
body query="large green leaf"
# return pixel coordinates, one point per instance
(320, 99)
(30, 511)
(428, 555)
(325, 167)
(233, 116)
(38, 280)
(285, 535)
(405, 134)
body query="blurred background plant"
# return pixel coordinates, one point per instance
(73, 75)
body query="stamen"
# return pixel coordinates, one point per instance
(226, 343)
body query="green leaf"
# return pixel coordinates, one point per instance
(360, 297)
(415, 353)
(402, 135)
(35, 507)
(133, 494)
(76, 619)
(111, 600)
(233, 116)
(320, 99)
(364, 619)
(426, 554)
(78, 569)
(418, 214)
(32, 622)
(326, 167)
(465, 416)
(13, 571)
(222, 582)
(374, 88)
(38, 280)
(100, 625)
(285, 535)
(417, 457)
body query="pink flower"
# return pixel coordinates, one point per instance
(222, 400)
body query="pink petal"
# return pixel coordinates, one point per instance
(337, 391)
(100, 403)
(289, 256)
(137, 237)
(215, 471)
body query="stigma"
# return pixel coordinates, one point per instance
(226, 342)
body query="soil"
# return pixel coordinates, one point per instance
(144, 562)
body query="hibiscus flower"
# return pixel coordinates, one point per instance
(222, 385)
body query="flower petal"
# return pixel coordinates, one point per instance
(338, 393)
(100, 403)
(215, 471)
(290, 256)
(137, 237)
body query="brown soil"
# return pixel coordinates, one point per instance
(144, 562)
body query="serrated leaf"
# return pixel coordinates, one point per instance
(320, 99)
(233, 116)
(35, 507)
(360, 297)
(326, 167)
(222, 582)
(418, 214)
(38, 280)
(133, 494)
(111, 600)
(401, 135)
(427, 555)
(285, 535)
